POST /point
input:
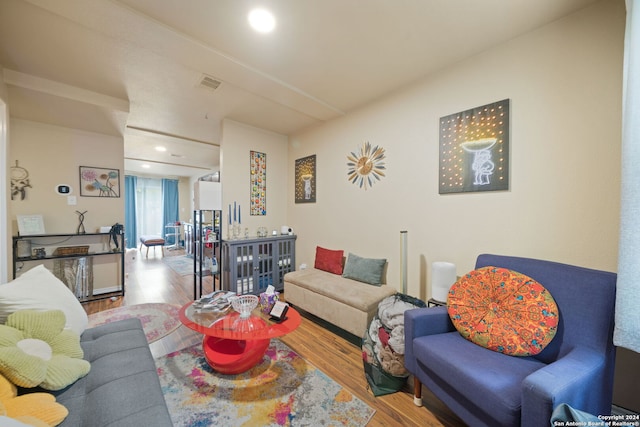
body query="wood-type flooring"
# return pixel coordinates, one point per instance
(149, 280)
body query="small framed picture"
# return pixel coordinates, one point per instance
(30, 225)
(99, 182)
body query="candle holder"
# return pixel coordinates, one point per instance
(235, 233)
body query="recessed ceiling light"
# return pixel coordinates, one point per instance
(262, 20)
(146, 166)
(160, 148)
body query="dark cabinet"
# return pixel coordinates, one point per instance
(252, 264)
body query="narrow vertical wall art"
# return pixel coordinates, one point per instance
(305, 176)
(258, 166)
(474, 149)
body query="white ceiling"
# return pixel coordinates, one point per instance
(133, 67)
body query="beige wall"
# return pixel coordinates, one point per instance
(237, 141)
(564, 82)
(52, 155)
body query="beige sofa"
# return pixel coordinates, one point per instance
(346, 303)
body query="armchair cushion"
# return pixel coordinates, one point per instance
(503, 310)
(477, 372)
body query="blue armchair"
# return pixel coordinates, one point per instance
(486, 388)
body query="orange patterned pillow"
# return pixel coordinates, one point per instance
(503, 310)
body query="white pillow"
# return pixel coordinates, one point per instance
(39, 289)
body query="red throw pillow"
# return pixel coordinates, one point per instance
(329, 260)
(503, 310)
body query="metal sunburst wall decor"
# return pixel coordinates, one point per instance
(367, 166)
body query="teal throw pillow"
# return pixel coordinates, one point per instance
(367, 270)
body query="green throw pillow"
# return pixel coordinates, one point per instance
(36, 350)
(367, 270)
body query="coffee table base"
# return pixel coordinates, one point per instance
(233, 356)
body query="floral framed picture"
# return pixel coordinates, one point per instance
(99, 182)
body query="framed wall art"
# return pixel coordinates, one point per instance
(99, 182)
(474, 149)
(305, 176)
(258, 166)
(29, 225)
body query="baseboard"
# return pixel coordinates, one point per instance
(617, 410)
(106, 290)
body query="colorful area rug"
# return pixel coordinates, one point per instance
(183, 265)
(158, 320)
(282, 390)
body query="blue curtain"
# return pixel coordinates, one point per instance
(170, 212)
(130, 231)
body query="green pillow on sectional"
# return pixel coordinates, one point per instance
(367, 270)
(36, 350)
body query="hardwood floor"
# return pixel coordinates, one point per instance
(150, 280)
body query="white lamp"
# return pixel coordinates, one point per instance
(443, 275)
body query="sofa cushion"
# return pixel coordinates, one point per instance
(356, 294)
(503, 310)
(367, 270)
(329, 260)
(39, 289)
(122, 388)
(477, 372)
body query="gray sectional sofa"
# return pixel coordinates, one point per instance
(122, 389)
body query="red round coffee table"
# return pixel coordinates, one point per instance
(231, 344)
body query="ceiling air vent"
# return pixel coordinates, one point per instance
(209, 82)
